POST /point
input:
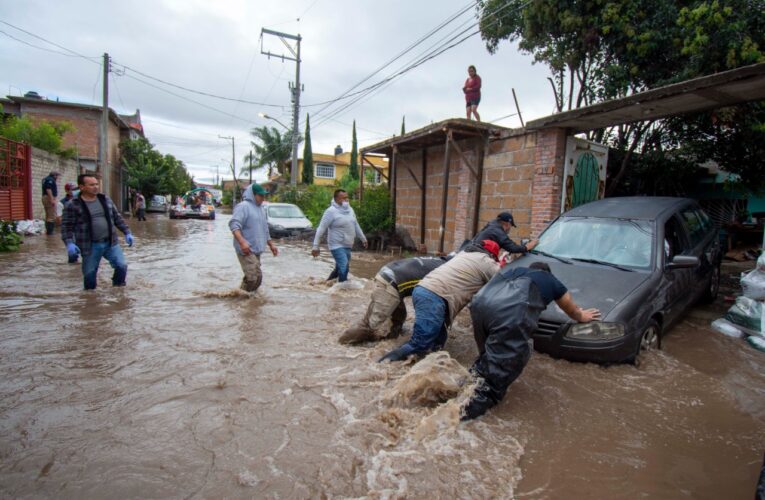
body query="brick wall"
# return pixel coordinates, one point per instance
(548, 177)
(44, 163)
(522, 173)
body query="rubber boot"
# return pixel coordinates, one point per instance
(356, 335)
(49, 228)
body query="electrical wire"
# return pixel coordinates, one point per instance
(93, 59)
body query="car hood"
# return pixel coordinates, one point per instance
(290, 222)
(590, 285)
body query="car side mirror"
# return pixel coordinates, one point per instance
(683, 262)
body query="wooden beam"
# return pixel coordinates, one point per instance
(481, 150)
(422, 198)
(364, 159)
(414, 178)
(393, 176)
(444, 195)
(464, 158)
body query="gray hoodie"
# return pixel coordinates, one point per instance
(252, 221)
(341, 227)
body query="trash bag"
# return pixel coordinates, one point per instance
(30, 227)
(753, 283)
(747, 315)
(727, 328)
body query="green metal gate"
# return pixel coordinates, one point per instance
(584, 172)
(586, 178)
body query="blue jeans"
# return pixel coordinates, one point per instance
(342, 258)
(91, 262)
(429, 332)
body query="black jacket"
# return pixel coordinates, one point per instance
(493, 231)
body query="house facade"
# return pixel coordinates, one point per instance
(85, 138)
(328, 169)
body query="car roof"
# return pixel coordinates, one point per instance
(629, 207)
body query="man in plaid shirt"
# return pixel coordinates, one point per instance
(88, 228)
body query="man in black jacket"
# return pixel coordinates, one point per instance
(497, 231)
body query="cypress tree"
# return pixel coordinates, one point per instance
(353, 169)
(403, 125)
(307, 153)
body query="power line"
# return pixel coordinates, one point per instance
(91, 59)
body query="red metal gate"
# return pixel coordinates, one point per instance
(15, 180)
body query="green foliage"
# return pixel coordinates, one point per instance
(152, 173)
(353, 168)
(313, 200)
(273, 150)
(9, 238)
(374, 214)
(403, 125)
(349, 184)
(45, 135)
(227, 198)
(307, 153)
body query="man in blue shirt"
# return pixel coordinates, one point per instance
(505, 314)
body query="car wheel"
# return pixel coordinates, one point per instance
(650, 340)
(713, 287)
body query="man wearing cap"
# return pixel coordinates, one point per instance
(497, 231)
(443, 293)
(249, 225)
(49, 195)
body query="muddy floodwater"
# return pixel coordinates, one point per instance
(180, 386)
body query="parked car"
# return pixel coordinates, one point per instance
(195, 204)
(286, 219)
(157, 203)
(643, 261)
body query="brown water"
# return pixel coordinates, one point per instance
(180, 386)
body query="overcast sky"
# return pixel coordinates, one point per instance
(215, 48)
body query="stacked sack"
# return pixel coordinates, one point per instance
(747, 316)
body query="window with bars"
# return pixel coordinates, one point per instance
(324, 170)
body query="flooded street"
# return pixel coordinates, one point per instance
(180, 386)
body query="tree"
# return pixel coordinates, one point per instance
(152, 173)
(307, 153)
(403, 125)
(604, 49)
(273, 150)
(45, 135)
(353, 168)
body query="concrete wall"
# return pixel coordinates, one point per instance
(42, 164)
(522, 173)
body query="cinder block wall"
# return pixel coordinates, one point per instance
(42, 164)
(522, 173)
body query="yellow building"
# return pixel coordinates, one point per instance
(329, 169)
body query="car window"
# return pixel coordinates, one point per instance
(617, 241)
(285, 212)
(693, 224)
(675, 242)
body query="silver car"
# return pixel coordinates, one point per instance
(286, 219)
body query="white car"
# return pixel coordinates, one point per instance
(286, 219)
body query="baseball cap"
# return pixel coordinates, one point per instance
(506, 217)
(70, 186)
(258, 189)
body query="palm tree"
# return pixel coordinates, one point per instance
(273, 150)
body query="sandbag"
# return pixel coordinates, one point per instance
(727, 328)
(753, 283)
(748, 315)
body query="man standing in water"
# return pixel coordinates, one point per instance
(342, 228)
(505, 314)
(249, 225)
(49, 200)
(88, 228)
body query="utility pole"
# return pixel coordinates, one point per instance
(233, 165)
(295, 89)
(103, 143)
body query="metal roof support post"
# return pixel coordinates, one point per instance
(444, 196)
(393, 175)
(423, 188)
(480, 153)
(361, 179)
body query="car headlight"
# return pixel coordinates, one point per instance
(595, 330)
(277, 226)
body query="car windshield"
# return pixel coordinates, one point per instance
(157, 198)
(618, 242)
(285, 212)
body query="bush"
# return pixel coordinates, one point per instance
(313, 200)
(9, 238)
(374, 213)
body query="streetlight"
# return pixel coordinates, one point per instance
(294, 169)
